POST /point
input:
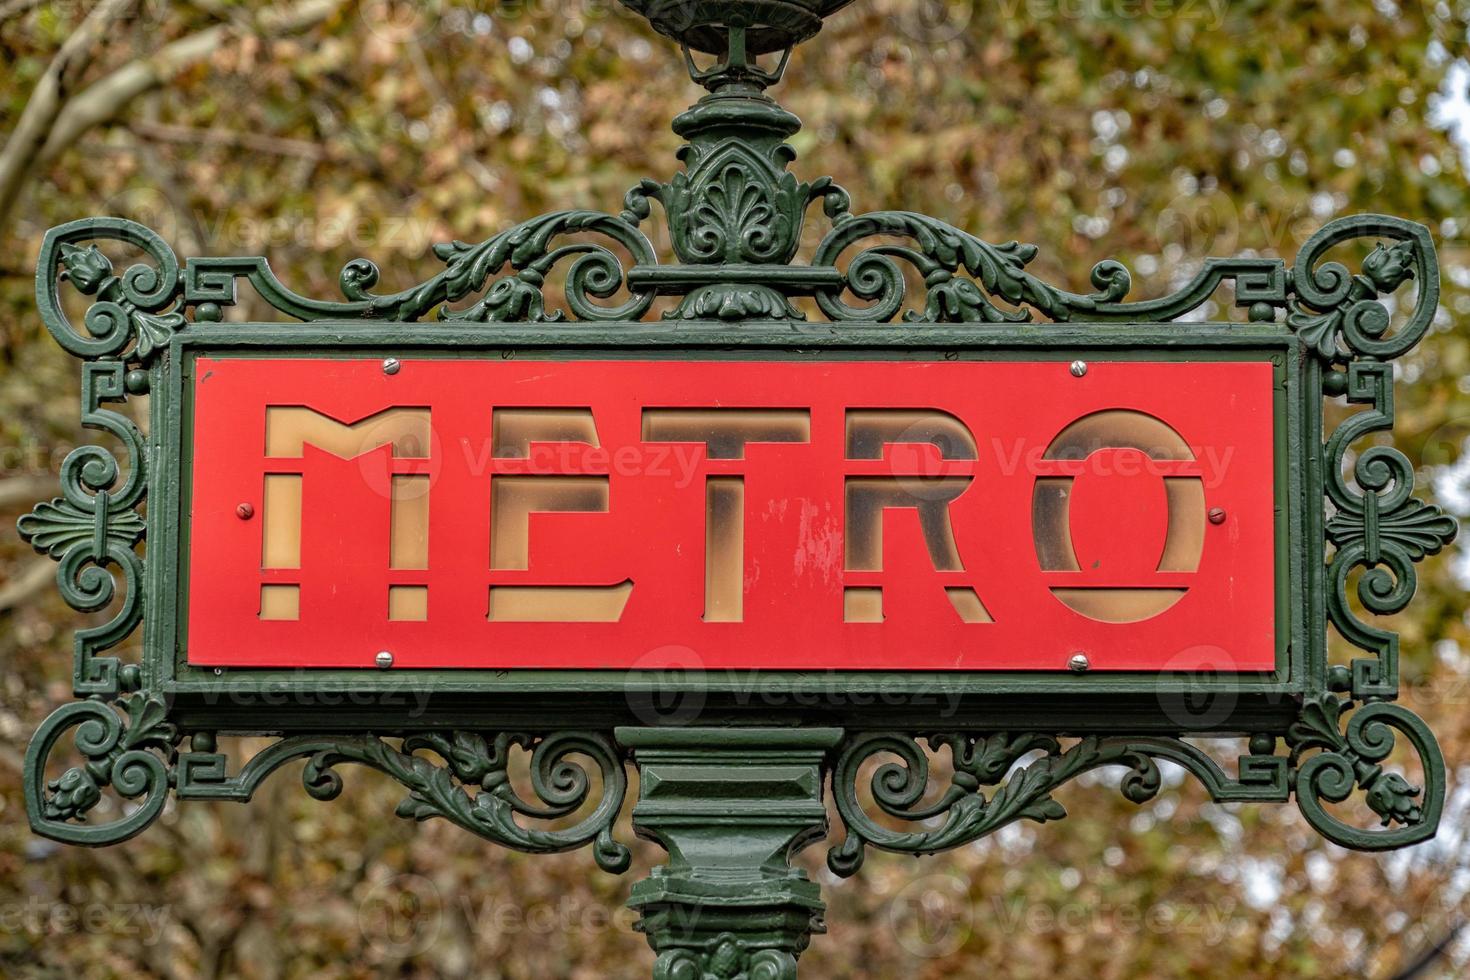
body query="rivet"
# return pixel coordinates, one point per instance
(391, 365)
(1079, 663)
(244, 512)
(1217, 515)
(384, 659)
(1079, 368)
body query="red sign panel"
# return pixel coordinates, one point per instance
(737, 514)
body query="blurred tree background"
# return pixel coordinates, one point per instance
(315, 131)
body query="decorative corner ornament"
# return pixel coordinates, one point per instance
(729, 904)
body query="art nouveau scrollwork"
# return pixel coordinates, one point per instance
(94, 526)
(938, 253)
(1325, 763)
(125, 736)
(133, 748)
(1349, 760)
(735, 217)
(1024, 769)
(132, 751)
(1376, 527)
(130, 313)
(1342, 315)
(529, 251)
(596, 273)
(471, 787)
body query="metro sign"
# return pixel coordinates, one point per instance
(834, 514)
(751, 525)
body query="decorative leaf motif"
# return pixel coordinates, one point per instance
(726, 957)
(734, 302)
(1318, 330)
(1417, 528)
(1338, 315)
(154, 331)
(441, 791)
(1393, 798)
(732, 214)
(510, 299)
(940, 251)
(527, 248)
(472, 759)
(57, 526)
(731, 205)
(1317, 726)
(726, 961)
(966, 812)
(148, 724)
(1027, 794)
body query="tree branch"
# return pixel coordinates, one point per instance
(51, 124)
(256, 142)
(47, 100)
(29, 583)
(14, 8)
(25, 490)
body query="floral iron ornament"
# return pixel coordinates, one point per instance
(728, 905)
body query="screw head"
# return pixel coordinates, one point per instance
(384, 659)
(1217, 515)
(1079, 663)
(391, 365)
(1079, 368)
(245, 512)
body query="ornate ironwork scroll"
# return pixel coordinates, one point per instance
(1377, 527)
(735, 215)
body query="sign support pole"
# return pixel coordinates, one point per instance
(732, 807)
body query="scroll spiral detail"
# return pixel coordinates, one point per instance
(471, 788)
(134, 758)
(1331, 760)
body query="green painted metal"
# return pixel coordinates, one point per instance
(731, 806)
(253, 699)
(732, 800)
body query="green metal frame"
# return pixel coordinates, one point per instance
(203, 697)
(1318, 730)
